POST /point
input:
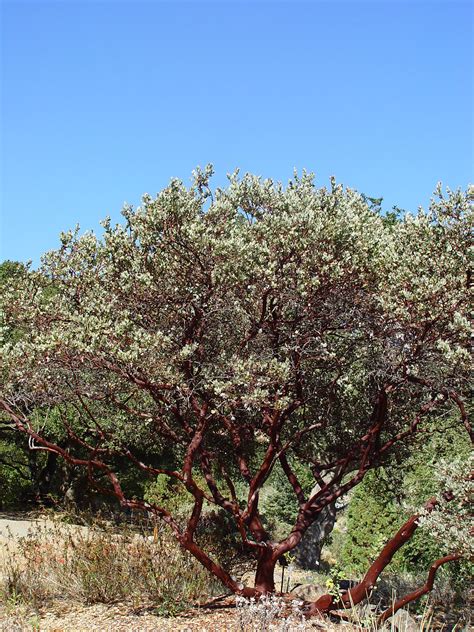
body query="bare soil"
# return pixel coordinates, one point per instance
(119, 618)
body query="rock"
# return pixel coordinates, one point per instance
(309, 592)
(248, 578)
(403, 622)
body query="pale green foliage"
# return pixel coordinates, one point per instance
(127, 297)
(452, 521)
(432, 251)
(256, 300)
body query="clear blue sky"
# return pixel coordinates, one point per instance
(103, 101)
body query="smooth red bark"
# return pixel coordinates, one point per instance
(363, 590)
(423, 590)
(265, 575)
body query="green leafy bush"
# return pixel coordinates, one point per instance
(15, 483)
(371, 521)
(279, 504)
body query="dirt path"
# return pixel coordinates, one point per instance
(18, 525)
(12, 527)
(113, 618)
(117, 618)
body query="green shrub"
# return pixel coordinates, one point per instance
(279, 504)
(370, 523)
(15, 482)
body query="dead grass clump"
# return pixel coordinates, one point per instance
(101, 565)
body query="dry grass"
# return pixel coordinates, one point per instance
(71, 578)
(101, 565)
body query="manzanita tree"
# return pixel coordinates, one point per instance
(248, 329)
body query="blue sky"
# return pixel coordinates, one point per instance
(103, 101)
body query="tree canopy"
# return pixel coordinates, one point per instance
(249, 328)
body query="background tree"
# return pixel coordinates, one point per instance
(389, 495)
(450, 522)
(22, 472)
(29, 477)
(248, 330)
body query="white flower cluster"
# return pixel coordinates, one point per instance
(266, 614)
